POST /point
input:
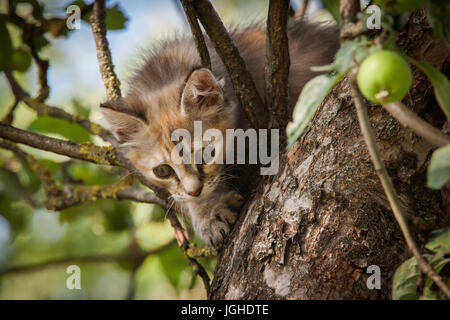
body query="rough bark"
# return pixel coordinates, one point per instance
(311, 231)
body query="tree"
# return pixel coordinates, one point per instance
(334, 219)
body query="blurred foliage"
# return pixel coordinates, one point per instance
(30, 234)
(409, 284)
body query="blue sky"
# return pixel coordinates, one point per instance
(74, 70)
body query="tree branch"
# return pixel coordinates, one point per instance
(43, 109)
(197, 33)
(49, 184)
(422, 128)
(86, 151)
(350, 27)
(112, 83)
(277, 60)
(388, 187)
(136, 257)
(241, 79)
(9, 117)
(42, 66)
(112, 86)
(302, 10)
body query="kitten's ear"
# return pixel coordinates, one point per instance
(123, 121)
(202, 90)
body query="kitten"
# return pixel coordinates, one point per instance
(170, 91)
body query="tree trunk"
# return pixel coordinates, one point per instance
(311, 231)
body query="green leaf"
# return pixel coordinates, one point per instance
(80, 109)
(431, 290)
(39, 41)
(405, 279)
(6, 46)
(438, 173)
(351, 51)
(174, 263)
(91, 174)
(38, 10)
(21, 59)
(404, 285)
(333, 7)
(71, 131)
(115, 18)
(439, 241)
(438, 13)
(441, 85)
(312, 95)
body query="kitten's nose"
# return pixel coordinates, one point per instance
(196, 192)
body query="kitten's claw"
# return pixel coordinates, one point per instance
(234, 199)
(218, 227)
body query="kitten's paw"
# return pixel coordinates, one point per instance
(218, 227)
(234, 200)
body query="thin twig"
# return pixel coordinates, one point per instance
(350, 27)
(136, 257)
(302, 10)
(28, 35)
(9, 117)
(42, 66)
(197, 33)
(112, 86)
(43, 109)
(112, 83)
(241, 78)
(86, 151)
(409, 119)
(48, 182)
(388, 187)
(277, 60)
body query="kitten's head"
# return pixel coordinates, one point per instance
(144, 122)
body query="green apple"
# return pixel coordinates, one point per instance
(399, 6)
(384, 77)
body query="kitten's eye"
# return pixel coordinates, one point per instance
(163, 171)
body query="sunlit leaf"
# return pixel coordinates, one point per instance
(71, 131)
(431, 291)
(438, 173)
(404, 285)
(91, 174)
(115, 18)
(333, 7)
(349, 52)
(38, 9)
(309, 101)
(441, 85)
(439, 241)
(21, 60)
(174, 263)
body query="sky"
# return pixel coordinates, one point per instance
(74, 72)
